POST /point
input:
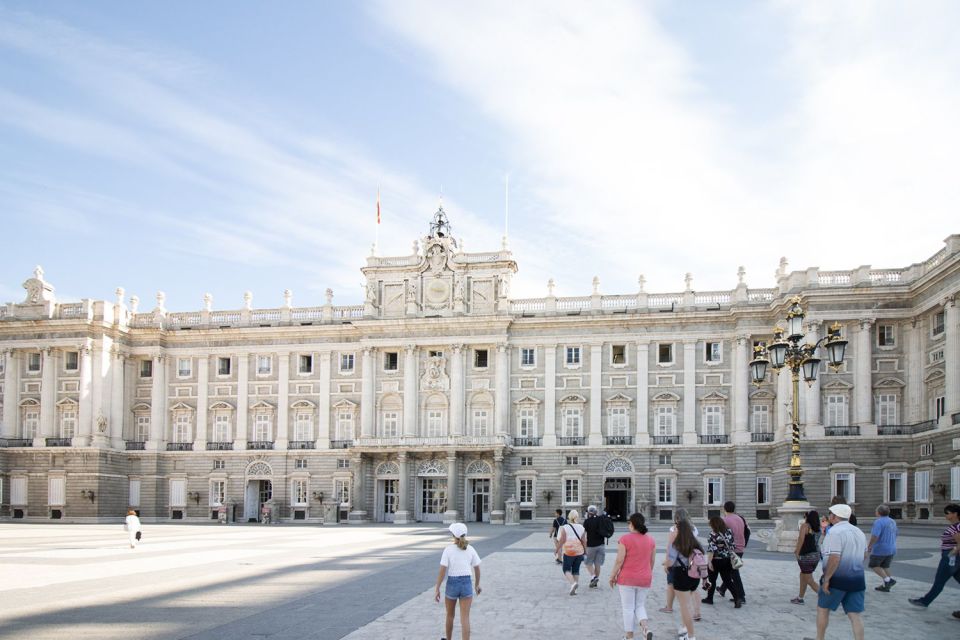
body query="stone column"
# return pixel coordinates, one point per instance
(451, 514)
(203, 403)
(863, 379)
(358, 512)
(595, 437)
(741, 389)
(368, 394)
(411, 393)
(117, 396)
(643, 393)
(283, 401)
(243, 400)
(85, 414)
(913, 402)
(496, 489)
(48, 397)
(158, 405)
(502, 410)
(402, 516)
(951, 355)
(550, 395)
(99, 400)
(813, 425)
(689, 392)
(456, 390)
(11, 397)
(323, 403)
(782, 404)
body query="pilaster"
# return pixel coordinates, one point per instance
(456, 390)
(811, 392)
(550, 395)
(502, 402)
(643, 393)
(158, 405)
(323, 403)
(402, 516)
(741, 389)
(87, 394)
(689, 392)
(48, 396)
(368, 402)
(11, 395)
(243, 400)
(595, 436)
(117, 397)
(411, 393)
(203, 402)
(951, 318)
(283, 400)
(358, 511)
(863, 379)
(451, 514)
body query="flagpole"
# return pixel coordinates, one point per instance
(376, 241)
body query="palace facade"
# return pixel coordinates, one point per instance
(442, 397)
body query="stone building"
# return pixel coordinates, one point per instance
(442, 397)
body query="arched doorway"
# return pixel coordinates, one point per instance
(258, 489)
(431, 491)
(476, 504)
(388, 491)
(618, 488)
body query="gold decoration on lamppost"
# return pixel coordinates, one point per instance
(786, 351)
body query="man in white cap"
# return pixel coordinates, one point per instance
(843, 581)
(597, 534)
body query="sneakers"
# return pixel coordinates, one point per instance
(883, 587)
(796, 600)
(956, 614)
(917, 602)
(890, 583)
(573, 588)
(722, 590)
(707, 601)
(594, 582)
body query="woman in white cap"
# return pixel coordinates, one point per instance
(456, 563)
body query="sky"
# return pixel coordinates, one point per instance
(223, 146)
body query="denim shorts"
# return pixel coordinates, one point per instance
(459, 587)
(571, 564)
(852, 601)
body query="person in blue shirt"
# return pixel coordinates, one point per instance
(883, 546)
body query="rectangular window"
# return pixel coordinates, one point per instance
(666, 421)
(714, 490)
(184, 367)
(56, 491)
(921, 486)
(264, 365)
(939, 407)
(665, 459)
(71, 361)
(480, 358)
(837, 411)
(665, 491)
(300, 463)
(391, 360)
(146, 368)
(434, 424)
(142, 428)
(926, 449)
(938, 324)
(341, 491)
(391, 421)
(885, 337)
(760, 418)
(346, 362)
(571, 423)
(618, 354)
(763, 490)
(68, 423)
(711, 351)
(303, 426)
(572, 461)
(618, 422)
(223, 366)
(306, 363)
(133, 488)
(33, 362)
(261, 427)
(18, 491)
(886, 409)
(31, 423)
(713, 420)
(528, 357)
(528, 423)
(480, 422)
(219, 465)
(221, 427)
(345, 424)
(665, 354)
(526, 461)
(218, 492)
(178, 493)
(298, 493)
(343, 463)
(181, 427)
(571, 491)
(573, 357)
(525, 489)
(843, 485)
(896, 487)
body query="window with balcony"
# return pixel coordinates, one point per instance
(838, 410)
(619, 422)
(142, 427)
(262, 427)
(221, 427)
(184, 367)
(303, 426)
(391, 424)
(434, 423)
(68, 422)
(760, 419)
(937, 327)
(182, 426)
(572, 422)
(527, 422)
(344, 425)
(666, 421)
(480, 423)
(713, 420)
(886, 409)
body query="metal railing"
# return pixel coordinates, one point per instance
(665, 439)
(618, 440)
(59, 442)
(259, 445)
(16, 442)
(135, 445)
(717, 438)
(527, 442)
(179, 446)
(341, 444)
(842, 431)
(219, 446)
(302, 444)
(761, 437)
(571, 441)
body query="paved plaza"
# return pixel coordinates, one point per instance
(369, 582)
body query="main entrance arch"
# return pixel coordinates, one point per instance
(618, 488)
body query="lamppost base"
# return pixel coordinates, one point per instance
(787, 526)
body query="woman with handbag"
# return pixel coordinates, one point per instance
(132, 526)
(720, 553)
(808, 553)
(573, 545)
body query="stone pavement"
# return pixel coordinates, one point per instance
(371, 581)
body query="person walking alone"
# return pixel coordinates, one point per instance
(807, 553)
(572, 543)
(633, 574)
(133, 528)
(949, 567)
(883, 546)
(598, 528)
(459, 559)
(843, 581)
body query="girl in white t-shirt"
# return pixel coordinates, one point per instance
(456, 564)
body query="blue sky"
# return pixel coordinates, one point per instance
(230, 146)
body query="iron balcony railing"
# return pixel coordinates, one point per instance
(136, 445)
(219, 446)
(302, 444)
(527, 442)
(16, 442)
(842, 431)
(665, 439)
(571, 441)
(59, 442)
(618, 440)
(179, 446)
(341, 444)
(260, 444)
(761, 437)
(716, 438)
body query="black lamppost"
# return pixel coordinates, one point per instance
(786, 351)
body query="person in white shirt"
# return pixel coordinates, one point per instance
(132, 525)
(456, 564)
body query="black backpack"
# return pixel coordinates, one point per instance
(607, 526)
(746, 531)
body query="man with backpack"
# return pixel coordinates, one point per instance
(599, 529)
(558, 522)
(741, 536)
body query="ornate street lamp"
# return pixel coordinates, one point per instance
(786, 350)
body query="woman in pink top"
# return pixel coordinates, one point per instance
(633, 572)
